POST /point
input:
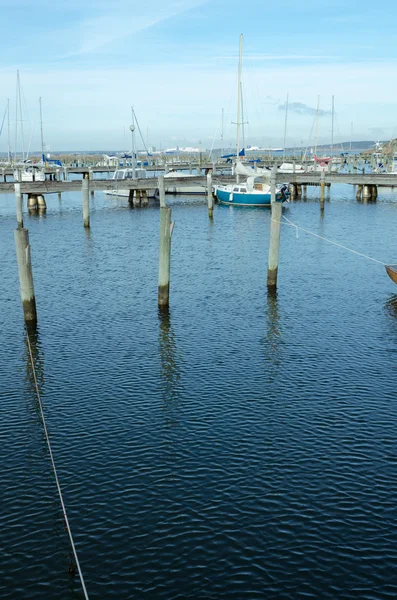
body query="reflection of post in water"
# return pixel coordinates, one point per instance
(273, 336)
(34, 353)
(391, 307)
(168, 355)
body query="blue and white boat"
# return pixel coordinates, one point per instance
(255, 191)
(252, 192)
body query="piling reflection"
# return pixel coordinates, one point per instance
(170, 359)
(391, 307)
(273, 336)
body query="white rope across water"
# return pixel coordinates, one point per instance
(55, 471)
(299, 228)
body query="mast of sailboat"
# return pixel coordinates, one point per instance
(332, 126)
(41, 132)
(315, 139)
(242, 117)
(8, 128)
(132, 129)
(351, 135)
(222, 132)
(240, 59)
(285, 125)
(20, 113)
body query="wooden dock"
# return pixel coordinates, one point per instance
(299, 179)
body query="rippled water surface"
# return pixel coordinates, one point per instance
(241, 446)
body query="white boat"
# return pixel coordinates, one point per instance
(129, 173)
(290, 168)
(29, 173)
(174, 187)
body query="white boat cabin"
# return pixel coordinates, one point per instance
(128, 174)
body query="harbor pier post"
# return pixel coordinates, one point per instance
(367, 192)
(25, 275)
(322, 189)
(131, 198)
(85, 188)
(41, 203)
(18, 201)
(166, 228)
(32, 202)
(359, 192)
(374, 192)
(275, 226)
(210, 198)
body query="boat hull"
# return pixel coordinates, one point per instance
(241, 199)
(391, 270)
(126, 193)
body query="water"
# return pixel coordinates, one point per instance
(242, 446)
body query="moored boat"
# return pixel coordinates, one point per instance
(391, 270)
(128, 173)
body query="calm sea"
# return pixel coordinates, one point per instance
(241, 446)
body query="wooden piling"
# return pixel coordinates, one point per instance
(359, 192)
(161, 191)
(131, 198)
(25, 275)
(18, 201)
(166, 228)
(210, 198)
(275, 226)
(85, 188)
(322, 189)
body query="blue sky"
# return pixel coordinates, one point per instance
(176, 62)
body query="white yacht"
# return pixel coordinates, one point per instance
(174, 183)
(127, 173)
(29, 173)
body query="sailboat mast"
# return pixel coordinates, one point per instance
(20, 113)
(285, 125)
(8, 128)
(41, 132)
(332, 127)
(132, 128)
(351, 135)
(239, 96)
(222, 132)
(16, 122)
(242, 117)
(315, 140)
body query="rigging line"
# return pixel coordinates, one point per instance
(4, 118)
(54, 469)
(329, 241)
(140, 133)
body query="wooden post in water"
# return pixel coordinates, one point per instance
(322, 188)
(25, 275)
(161, 191)
(275, 225)
(210, 197)
(18, 200)
(85, 188)
(166, 228)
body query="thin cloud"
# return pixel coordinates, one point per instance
(108, 28)
(300, 108)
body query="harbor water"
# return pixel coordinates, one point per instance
(240, 446)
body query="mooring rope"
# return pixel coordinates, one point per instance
(298, 227)
(55, 471)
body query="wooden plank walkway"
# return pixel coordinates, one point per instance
(48, 187)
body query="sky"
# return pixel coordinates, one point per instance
(176, 62)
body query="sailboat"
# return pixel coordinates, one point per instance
(256, 190)
(132, 172)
